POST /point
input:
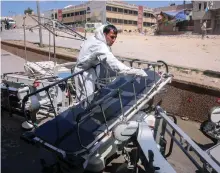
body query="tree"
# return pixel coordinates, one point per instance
(28, 10)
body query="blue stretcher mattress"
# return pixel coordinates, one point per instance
(61, 132)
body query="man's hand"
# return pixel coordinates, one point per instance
(138, 72)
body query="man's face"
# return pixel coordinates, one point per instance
(110, 38)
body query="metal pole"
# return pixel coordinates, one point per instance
(49, 46)
(25, 48)
(85, 19)
(54, 43)
(39, 20)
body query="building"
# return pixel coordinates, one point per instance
(175, 19)
(173, 8)
(206, 10)
(124, 16)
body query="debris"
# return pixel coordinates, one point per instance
(185, 71)
(215, 80)
(185, 118)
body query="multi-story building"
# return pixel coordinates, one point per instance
(206, 10)
(123, 15)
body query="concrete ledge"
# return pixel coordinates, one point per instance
(18, 50)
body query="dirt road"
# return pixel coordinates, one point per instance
(188, 50)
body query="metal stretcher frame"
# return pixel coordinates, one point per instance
(106, 134)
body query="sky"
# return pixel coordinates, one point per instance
(10, 8)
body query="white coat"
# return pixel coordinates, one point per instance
(93, 51)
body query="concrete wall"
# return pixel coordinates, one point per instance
(201, 15)
(188, 100)
(35, 54)
(28, 21)
(197, 26)
(216, 5)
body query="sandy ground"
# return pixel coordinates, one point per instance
(184, 50)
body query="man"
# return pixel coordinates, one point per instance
(94, 50)
(203, 28)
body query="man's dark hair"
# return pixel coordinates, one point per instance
(108, 28)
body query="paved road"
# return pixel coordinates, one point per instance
(188, 51)
(11, 62)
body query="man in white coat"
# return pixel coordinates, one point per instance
(94, 50)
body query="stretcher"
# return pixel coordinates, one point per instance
(82, 138)
(86, 138)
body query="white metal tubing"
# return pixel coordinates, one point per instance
(22, 90)
(49, 46)
(54, 43)
(44, 101)
(25, 48)
(66, 64)
(46, 113)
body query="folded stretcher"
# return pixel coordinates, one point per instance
(77, 134)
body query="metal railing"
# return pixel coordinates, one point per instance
(61, 83)
(184, 142)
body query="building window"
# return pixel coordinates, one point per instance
(72, 14)
(120, 10)
(130, 22)
(55, 15)
(81, 12)
(76, 13)
(147, 14)
(125, 22)
(114, 9)
(120, 21)
(68, 15)
(200, 5)
(134, 22)
(108, 8)
(109, 19)
(64, 15)
(135, 13)
(147, 24)
(130, 12)
(114, 20)
(125, 11)
(205, 5)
